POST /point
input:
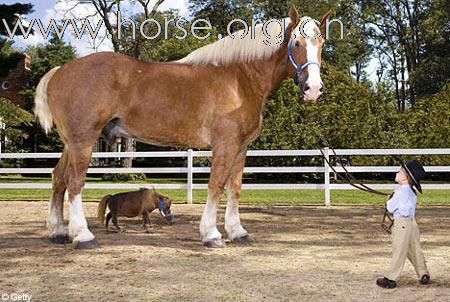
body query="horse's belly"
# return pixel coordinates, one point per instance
(154, 134)
(192, 138)
(167, 142)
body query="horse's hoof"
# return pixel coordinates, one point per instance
(214, 243)
(244, 240)
(85, 245)
(60, 239)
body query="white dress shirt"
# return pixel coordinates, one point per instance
(403, 203)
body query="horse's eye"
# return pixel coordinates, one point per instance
(297, 44)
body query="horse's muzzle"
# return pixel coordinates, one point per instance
(311, 93)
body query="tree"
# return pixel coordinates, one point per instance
(161, 49)
(433, 69)
(108, 11)
(428, 123)
(11, 13)
(411, 37)
(9, 57)
(221, 12)
(12, 120)
(55, 53)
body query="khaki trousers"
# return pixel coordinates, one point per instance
(406, 244)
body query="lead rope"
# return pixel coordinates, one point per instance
(387, 221)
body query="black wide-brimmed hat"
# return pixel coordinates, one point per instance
(415, 171)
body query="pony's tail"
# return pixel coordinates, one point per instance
(102, 209)
(41, 109)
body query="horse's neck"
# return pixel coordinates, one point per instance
(266, 75)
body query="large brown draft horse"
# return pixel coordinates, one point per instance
(211, 99)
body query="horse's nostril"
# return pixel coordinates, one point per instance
(321, 89)
(306, 88)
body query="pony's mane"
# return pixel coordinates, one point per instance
(228, 50)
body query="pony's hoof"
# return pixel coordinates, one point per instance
(60, 239)
(85, 245)
(214, 243)
(244, 240)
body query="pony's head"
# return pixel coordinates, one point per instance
(165, 208)
(305, 43)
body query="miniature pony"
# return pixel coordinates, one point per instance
(132, 204)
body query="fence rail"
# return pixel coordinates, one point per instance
(190, 169)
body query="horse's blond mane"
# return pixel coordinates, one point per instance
(258, 45)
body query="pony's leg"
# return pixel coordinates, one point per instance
(55, 219)
(146, 219)
(222, 161)
(116, 224)
(78, 163)
(236, 233)
(108, 218)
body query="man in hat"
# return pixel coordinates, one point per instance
(405, 232)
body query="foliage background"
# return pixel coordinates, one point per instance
(406, 107)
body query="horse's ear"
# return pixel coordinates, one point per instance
(293, 15)
(325, 17)
(323, 23)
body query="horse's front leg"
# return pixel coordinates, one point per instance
(236, 233)
(224, 156)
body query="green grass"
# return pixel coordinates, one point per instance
(260, 197)
(257, 197)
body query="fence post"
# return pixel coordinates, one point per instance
(190, 176)
(2, 127)
(326, 152)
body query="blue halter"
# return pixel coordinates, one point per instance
(299, 69)
(161, 205)
(168, 217)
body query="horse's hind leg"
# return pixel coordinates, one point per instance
(74, 176)
(236, 233)
(55, 220)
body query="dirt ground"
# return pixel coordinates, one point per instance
(301, 254)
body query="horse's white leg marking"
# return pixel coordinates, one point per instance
(233, 225)
(55, 221)
(78, 229)
(208, 224)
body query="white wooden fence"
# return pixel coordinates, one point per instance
(190, 169)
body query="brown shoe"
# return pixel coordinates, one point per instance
(386, 283)
(424, 280)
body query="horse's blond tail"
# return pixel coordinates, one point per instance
(102, 209)
(41, 109)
